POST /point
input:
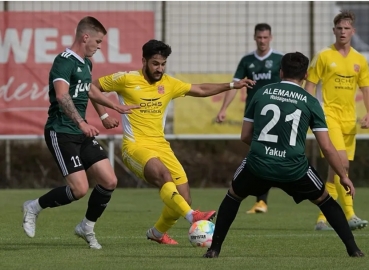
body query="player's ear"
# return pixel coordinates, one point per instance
(305, 77)
(281, 73)
(85, 38)
(143, 61)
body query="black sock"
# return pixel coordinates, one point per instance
(226, 214)
(57, 197)
(336, 218)
(97, 203)
(263, 197)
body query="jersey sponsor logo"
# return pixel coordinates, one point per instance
(344, 82)
(81, 87)
(137, 88)
(151, 105)
(333, 65)
(284, 95)
(356, 68)
(262, 76)
(268, 63)
(79, 69)
(252, 65)
(161, 89)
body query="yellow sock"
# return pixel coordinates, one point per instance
(171, 198)
(167, 219)
(347, 203)
(331, 188)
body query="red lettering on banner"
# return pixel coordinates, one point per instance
(29, 42)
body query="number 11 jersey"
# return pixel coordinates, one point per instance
(282, 114)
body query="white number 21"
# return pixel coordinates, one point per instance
(294, 117)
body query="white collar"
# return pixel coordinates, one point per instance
(75, 55)
(263, 57)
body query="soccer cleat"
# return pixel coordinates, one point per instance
(357, 223)
(358, 253)
(259, 207)
(197, 215)
(322, 226)
(165, 239)
(211, 254)
(29, 219)
(88, 237)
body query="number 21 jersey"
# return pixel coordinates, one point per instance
(282, 114)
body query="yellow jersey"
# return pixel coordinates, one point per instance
(339, 77)
(146, 124)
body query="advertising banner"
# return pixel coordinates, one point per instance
(29, 42)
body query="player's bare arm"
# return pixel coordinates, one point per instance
(66, 103)
(246, 133)
(334, 160)
(96, 95)
(211, 89)
(228, 98)
(310, 87)
(108, 121)
(365, 120)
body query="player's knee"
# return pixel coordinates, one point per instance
(111, 183)
(79, 191)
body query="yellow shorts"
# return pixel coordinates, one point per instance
(341, 141)
(135, 156)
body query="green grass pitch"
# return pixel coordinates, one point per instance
(281, 239)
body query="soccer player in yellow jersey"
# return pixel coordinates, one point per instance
(340, 69)
(144, 148)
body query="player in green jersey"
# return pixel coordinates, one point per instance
(70, 138)
(262, 66)
(275, 126)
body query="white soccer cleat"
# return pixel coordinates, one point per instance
(88, 237)
(29, 219)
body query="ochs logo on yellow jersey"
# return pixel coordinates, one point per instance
(151, 105)
(344, 82)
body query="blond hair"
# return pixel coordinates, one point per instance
(344, 15)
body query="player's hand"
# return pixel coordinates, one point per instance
(126, 109)
(110, 122)
(221, 116)
(88, 130)
(348, 185)
(365, 121)
(244, 83)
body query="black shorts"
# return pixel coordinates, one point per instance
(72, 152)
(309, 187)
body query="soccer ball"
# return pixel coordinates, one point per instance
(201, 233)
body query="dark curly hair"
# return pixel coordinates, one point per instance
(294, 65)
(152, 47)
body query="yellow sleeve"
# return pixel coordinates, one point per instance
(179, 88)
(363, 75)
(315, 71)
(114, 82)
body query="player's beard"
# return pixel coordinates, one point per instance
(150, 76)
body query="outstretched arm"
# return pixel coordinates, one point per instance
(211, 89)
